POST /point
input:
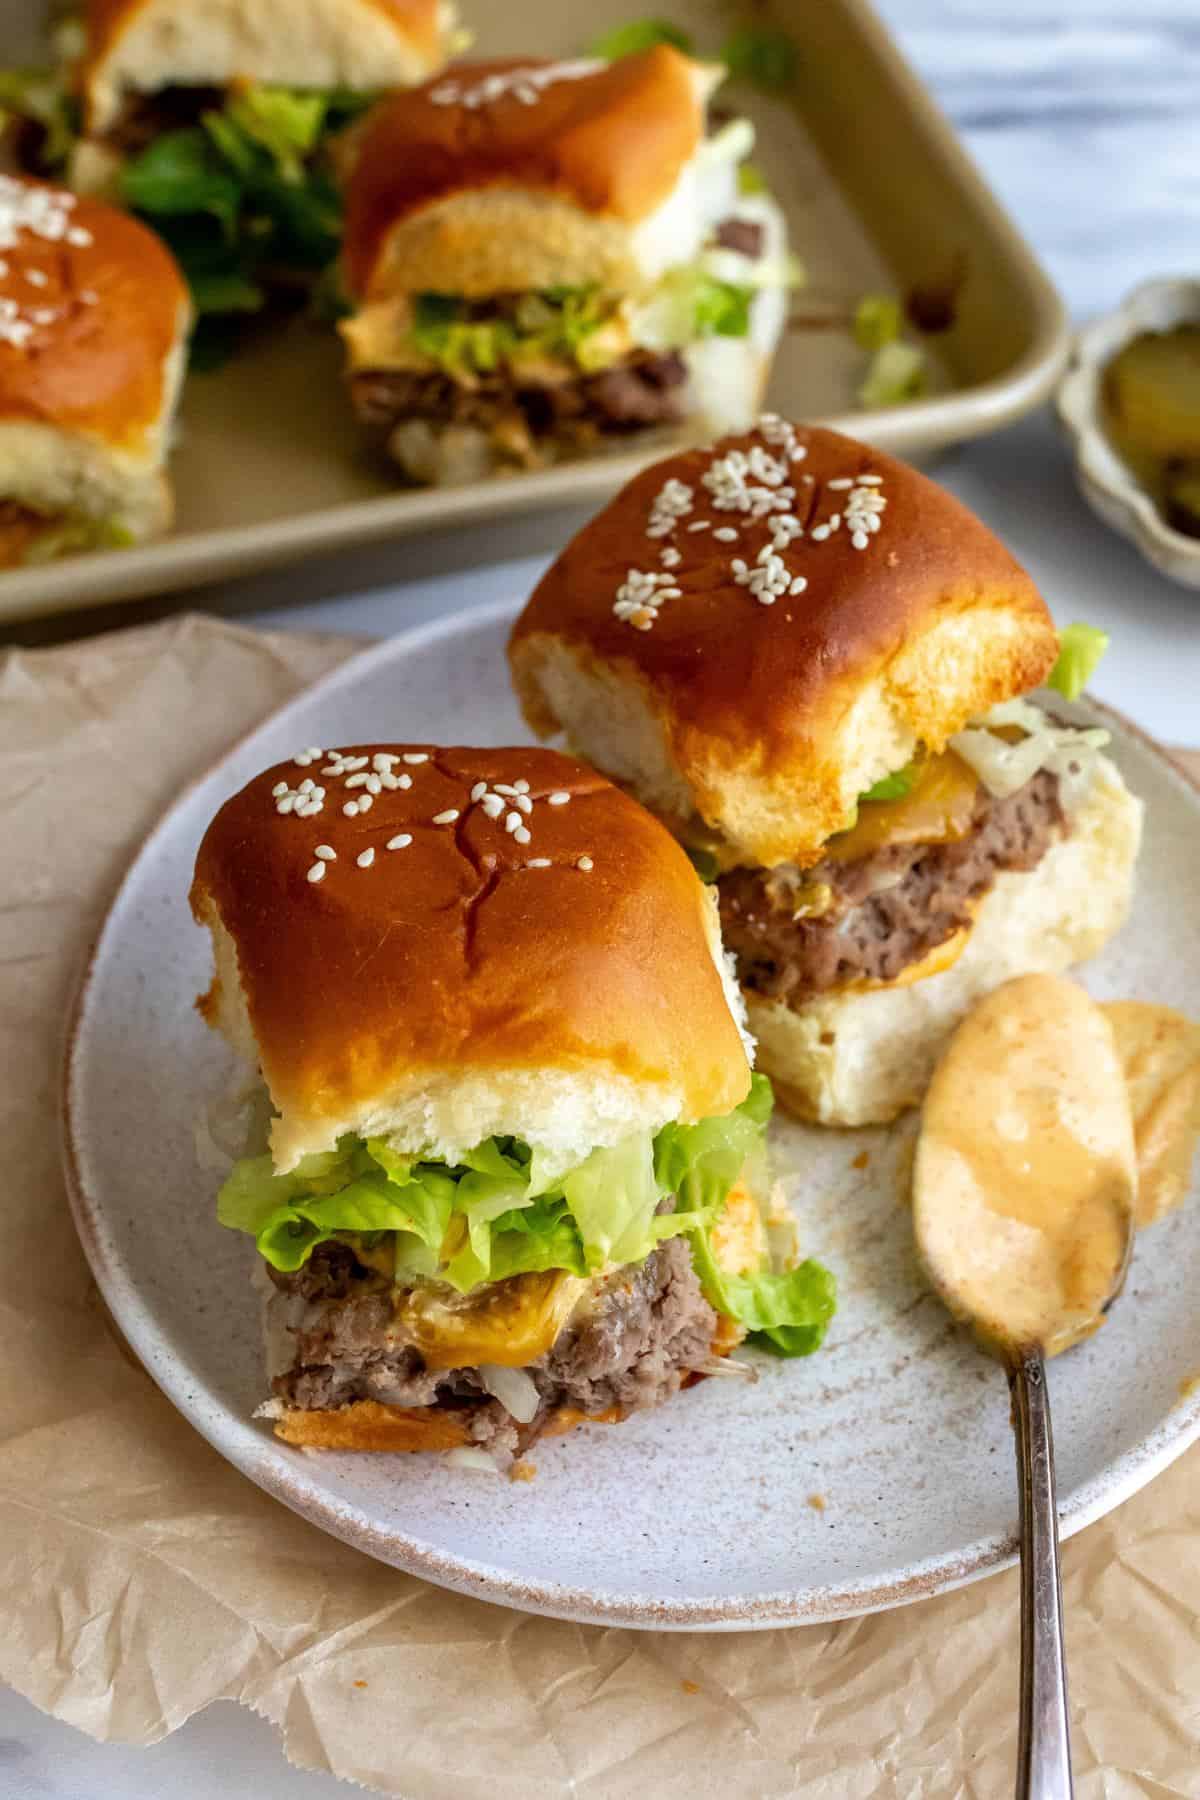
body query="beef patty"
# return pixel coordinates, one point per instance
(630, 1346)
(645, 389)
(887, 909)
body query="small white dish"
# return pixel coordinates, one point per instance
(873, 1473)
(1108, 484)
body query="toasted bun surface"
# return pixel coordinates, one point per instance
(766, 721)
(92, 307)
(449, 990)
(456, 192)
(142, 46)
(860, 1057)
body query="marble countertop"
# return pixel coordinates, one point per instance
(1084, 118)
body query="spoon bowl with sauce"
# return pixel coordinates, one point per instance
(1024, 1204)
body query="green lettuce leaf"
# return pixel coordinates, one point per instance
(766, 58)
(895, 786)
(787, 1312)
(613, 1196)
(700, 1163)
(640, 34)
(37, 95)
(1080, 648)
(287, 125)
(182, 172)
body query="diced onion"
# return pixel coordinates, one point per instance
(470, 1456)
(727, 1367)
(513, 1388)
(1065, 750)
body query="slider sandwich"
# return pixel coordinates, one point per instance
(516, 1172)
(215, 120)
(94, 316)
(815, 666)
(547, 256)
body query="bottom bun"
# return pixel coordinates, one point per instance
(369, 1425)
(861, 1057)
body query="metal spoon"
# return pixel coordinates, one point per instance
(1024, 1186)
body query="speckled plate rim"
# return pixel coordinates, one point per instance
(286, 1474)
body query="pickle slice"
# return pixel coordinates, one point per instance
(1181, 497)
(1153, 391)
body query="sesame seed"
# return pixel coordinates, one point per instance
(374, 785)
(281, 787)
(585, 863)
(79, 237)
(513, 822)
(503, 787)
(798, 585)
(89, 297)
(860, 540)
(383, 760)
(286, 804)
(354, 781)
(870, 481)
(391, 782)
(521, 836)
(351, 809)
(725, 534)
(307, 785)
(560, 798)
(401, 841)
(835, 521)
(524, 803)
(446, 818)
(404, 781)
(365, 802)
(670, 558)
(317, 872)
(36, 277)
(365, 858)
(493, 805)
(842, 481)
(520, 787)
(354, 762)
(700, 525)
(326, 852)
(819, 533)
(479, 790)
(538, 862)
(416, 756)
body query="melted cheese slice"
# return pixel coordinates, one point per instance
(739, 1236)
(511, 1323)
(937, 811)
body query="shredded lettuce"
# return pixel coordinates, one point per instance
(496, 1214)
(895, 786)
(71, 536)
(1080, 648)
(751, 179)
(571, 323)
(704, 862)
(640, 34)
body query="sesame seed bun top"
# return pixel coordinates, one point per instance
(143, 46)
(92, 308)
(603, 139)
(750, 636)
(444, 975)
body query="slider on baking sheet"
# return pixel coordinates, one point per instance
(812, 663)
(516, 1172)
(543, 256)
(213, 118)
(94, 316)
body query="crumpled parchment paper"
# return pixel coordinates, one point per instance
(142, 1578)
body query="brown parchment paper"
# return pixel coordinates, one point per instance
(142, 1578)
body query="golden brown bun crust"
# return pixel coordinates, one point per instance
(758, 693)
(105, 316)
(369, 1425)
(451, 953)
(612, 142)
(108, 19)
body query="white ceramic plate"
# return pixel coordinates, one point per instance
(699, 1515)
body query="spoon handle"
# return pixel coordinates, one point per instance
(1044, 1752)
